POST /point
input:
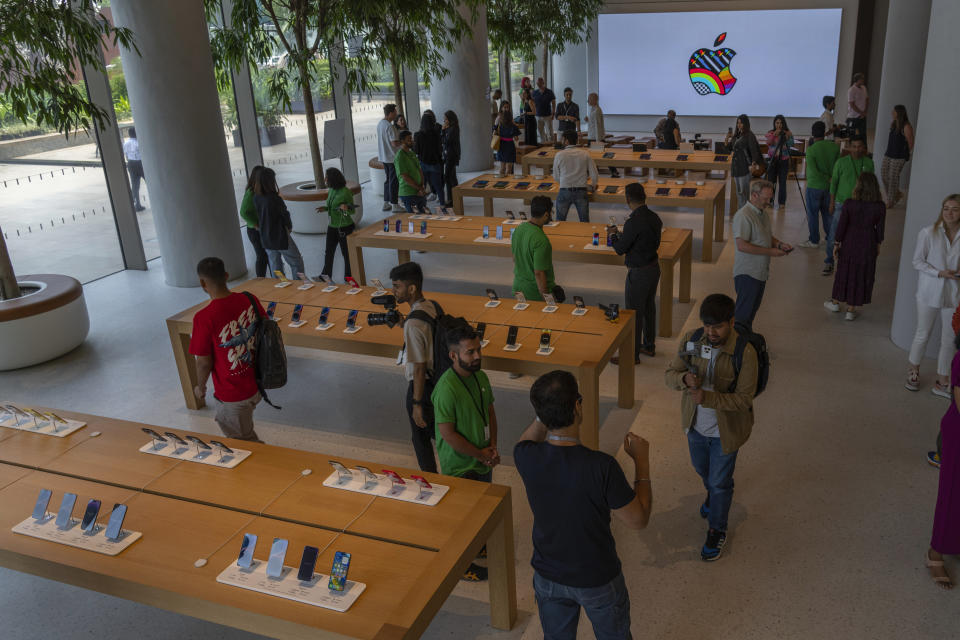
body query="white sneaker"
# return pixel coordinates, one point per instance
(806, 244)
(387, 206)
(399, 208)
(851, 315)
(943, 392)
(432, 197)
(830, 305)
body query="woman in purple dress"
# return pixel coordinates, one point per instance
(946, 518)
(856, 246)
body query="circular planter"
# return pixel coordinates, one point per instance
(44, 324)
(303, 201)
(377, 175)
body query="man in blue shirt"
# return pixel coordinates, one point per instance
(546, 105)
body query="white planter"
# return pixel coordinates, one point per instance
(44, 335)
(377, 178)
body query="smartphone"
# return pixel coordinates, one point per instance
(486, 231)
(338, 573)
(369, 477)
(596, 239)
(352, 281)
(545, 338)
(222, 446)
(200, 443)
(644, 156)
(510, 215)
(307, 562)
(115, 523)
(420, 480)
(501, 184)
(682, 157)
(66, 510)
(609, 155)
(40, 507)
(523, 185)
(322, 320)
(541, 153)
(512, 335)
(480, 184)
(271, 309)
(663, 191)
(410, 227)
(386, 226)
(549, 299)
(339, 467)
(499, 232)
(90, 516)
(398, 226)
(393, 475)
(688, 192)
(297, 310)
(303, 277)
(577, 300)
(327, 279)
(175, 438)
(523, 216)
(729, 129)
(481, 329)
(492, 294)
(352, 318)
(278, 552)
(153, 434)
(611, 188)
(247, 547)
(521, 299)
(423, 227)
(545, 186)
(720, 158)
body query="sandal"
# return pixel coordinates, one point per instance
(944, 581)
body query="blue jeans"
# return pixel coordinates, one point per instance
(291, 254)
(832, 232)
(433, 174)
(575, 197)
(411, 202)
(716, 470)
(749, 295)
(607, 607)
(818, 206)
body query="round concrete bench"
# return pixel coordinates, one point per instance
(48, 321)
(303, 201)
(377, 175)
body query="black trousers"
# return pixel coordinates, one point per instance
(337, 236)
(253, 235)
(391, 188)
(640, 294)
(449, 180)
(135, 169)
(422, 438)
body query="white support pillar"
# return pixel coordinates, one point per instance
(411, 97)
(343, 106)
(936, 174)
(570, 70)
(246, 107)
(173, 93)
(464, 91)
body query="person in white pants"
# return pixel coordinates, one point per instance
(937, 258)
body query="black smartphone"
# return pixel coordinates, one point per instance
(545, 338)
(720, 158)
(663, 191)
(611, 188)
(682, 157)
(481, 329)
(90, 516)
(688, 192)
(512, 335)
(307, 563)
(175, 438)
(545, 186)
(197, 441)
(323, 315)
(523, 185)
(271, 308)
(541, 153)
(480, 184)
(510, 215)
(225, 448)
(115, 523)
(297, 310)
(492, 294)
(352, 318)
(644, 156)
(577, 300)
(609, 155)
(500, 184)
(153, 434)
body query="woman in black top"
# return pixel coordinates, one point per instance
(899, 148)
(427, 146)
(744, 152)
(275, 225)
(529, 110)
(451, 153)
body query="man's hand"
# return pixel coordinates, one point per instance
(691, 380)
(200, 391)
(948, 275)
(418, 416)
(489, 456)
(636, 447)
(833, 206)
(776, 253)
(344, 207)
(696, 395)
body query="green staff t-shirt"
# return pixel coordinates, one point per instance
(466, 403)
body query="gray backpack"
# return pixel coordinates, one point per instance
(269, 354)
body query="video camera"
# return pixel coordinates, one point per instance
(612, 312)
(391, 317)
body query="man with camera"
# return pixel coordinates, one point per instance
(417, 359)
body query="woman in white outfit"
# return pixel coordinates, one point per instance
(937, 258)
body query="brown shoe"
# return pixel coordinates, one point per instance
(615, 360)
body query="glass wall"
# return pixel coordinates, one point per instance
(368, 112)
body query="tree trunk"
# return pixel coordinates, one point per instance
(505, 84)
(544, 68)
(312, 138)
(8, 279)
(397, 93)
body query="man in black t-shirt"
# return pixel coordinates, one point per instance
(572, 490)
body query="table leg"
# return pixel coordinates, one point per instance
(356, 260)
(525, 167)
(186, 367)
(403, 255)
(733, 195)
(686, 261)
(666, 300)
(487, 206)
(706, 254)
(624, 374)
(589, 382)
(718, 216)
(457, 202)
(501, 566)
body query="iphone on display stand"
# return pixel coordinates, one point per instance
(551, 301)
(40, 507)
(370, 479)
(295, 320)
(512, 339)
(222, 449)
(177, 440)
(157, 438)
(354, 285)
(203, 449)
(115, 523)
(338, 573)
(345, 475)
(247, 547)
(283, 280)
(307, 563)
(545, 348)
(89, 522)
(272, 310)
(379, 285)
(494, 300)
(398, 483)
(304, 282)
(322, 323)
(278, 552)
(521, 301)
(579, 307)
(64, 519)
(481, 331)
(352, 326)
(329, 282)
(426, 489)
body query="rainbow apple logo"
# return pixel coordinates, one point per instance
(709, 69)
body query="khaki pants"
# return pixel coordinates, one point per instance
(545, 129)
(236, 418)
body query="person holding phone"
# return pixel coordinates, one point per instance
(745, 155)
(779, 142)
(340, 208)
(450, 136)
(572, 490)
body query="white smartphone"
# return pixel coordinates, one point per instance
(115, 524)
(249, 545)
(66, 510)
(278, 552)
(40, 508)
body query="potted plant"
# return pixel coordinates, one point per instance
(272, 132)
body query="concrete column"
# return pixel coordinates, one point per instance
(343, 106)
(464, 91)
(902, 73)
(173, 94)
(246, 107)
(411, 97)
(936, 174)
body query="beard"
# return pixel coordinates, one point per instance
(472, 367)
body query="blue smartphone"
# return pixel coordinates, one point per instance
(398, 226)
(307, 563)
(423, 227)
(499, 232)
(66, 510)
(297, 310)
(338, 574)
(352, 318)
(322, 320)
(486, 231)
(277, 554)
(247, 547)
(386, 226)
(115, 524)
(271, 308)
(40, 508)
(89, 520)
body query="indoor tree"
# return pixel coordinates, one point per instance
(42, 43)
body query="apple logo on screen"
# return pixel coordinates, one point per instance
(709, 69)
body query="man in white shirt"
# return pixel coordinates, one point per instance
(387, 143)
(858, 101)
(596, 131)
(572, 168)
(131, 151)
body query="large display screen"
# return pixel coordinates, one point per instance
(718, 63)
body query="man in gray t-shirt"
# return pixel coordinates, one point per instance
(755, 245)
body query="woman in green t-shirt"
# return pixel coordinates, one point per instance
(248, 211)
(340, 207)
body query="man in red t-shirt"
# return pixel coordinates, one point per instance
(223, 341)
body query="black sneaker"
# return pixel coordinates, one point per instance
(713, 546)
(474, 573)
(827, 269)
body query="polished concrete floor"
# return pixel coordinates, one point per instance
(833, 505)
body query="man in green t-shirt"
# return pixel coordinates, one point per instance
(412, 192)
(821, 156)
(533, 253)
(466, 422)
(846, 171)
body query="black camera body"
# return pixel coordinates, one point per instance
(611, 312)
(391, 317)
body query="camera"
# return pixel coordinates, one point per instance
(612, 312)
(391, 317)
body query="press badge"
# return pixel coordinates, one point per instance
(691, 347)
(706, 352)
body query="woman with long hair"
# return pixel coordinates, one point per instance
(275, 225)
(856, 246)
(899, 148)
(248, 211)
(745, 152)
(451, 153)
(340, 208)
(779, 141)
(507, 132)
(937, 259)
(529, 110)
(429, 149)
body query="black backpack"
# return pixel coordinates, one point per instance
(744, 337)
(269, 355)
(440, 325)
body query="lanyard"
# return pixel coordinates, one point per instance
(476, 403)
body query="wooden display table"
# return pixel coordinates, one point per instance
(583, 344)
(409, 556)
(709, 197)
(569, 240)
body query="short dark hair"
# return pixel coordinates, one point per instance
(540, 206)
(404, 135)
(819, 129)
(635, 192)
(388, 109)
(570, 136)
(859, 76)
(335, 179)
(460, 332)
(565, 89)
(717, 308)
(859, 138)
(408, 273)
(827, 100)
(212, 269)
(554, 397)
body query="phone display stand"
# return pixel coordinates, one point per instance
(72, 536)
(403, 234)
(48, 427)
(353, 292)
(276, 318)
(325, 326)
(597, 247)
(512, 347)
(520, 306)
(580, 311)
(288, 586)
(282, 284)
(379, 292)
(492, 240)
(295, 325)
(438, 217)
(492, 303)
(484, 343)
(550, 308)
(385, 488)
(544, 351)
(353, 329)
(509, 221)
(330, 288)
(170, 449)
(306, 286)
(554, 223)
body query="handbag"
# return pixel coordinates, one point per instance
(495, 141)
